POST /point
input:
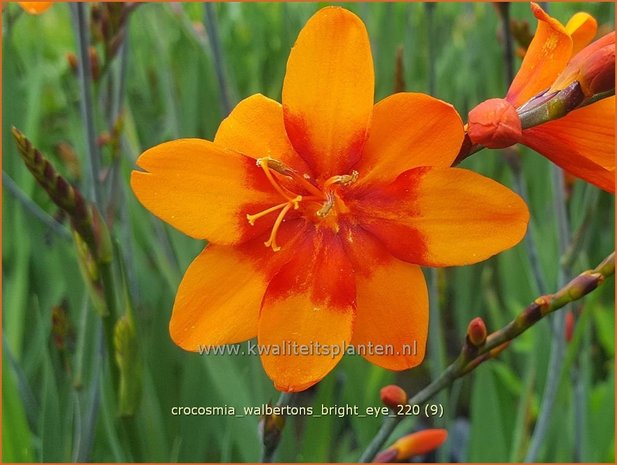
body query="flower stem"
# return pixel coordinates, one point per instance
(580, 286)
(558, 323)
(84, 70)
(34, 209)
(217, 54)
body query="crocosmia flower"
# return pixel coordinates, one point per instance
(583, 141)
(35, 8)
(319, 211)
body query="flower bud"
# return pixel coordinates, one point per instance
(129, 364)
(71, 59)
(392, 396)
(413, 444)
(270, 429)
(476, 332)
(494, 124)
(569, 329)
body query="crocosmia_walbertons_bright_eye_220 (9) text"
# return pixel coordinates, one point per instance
(319, 212)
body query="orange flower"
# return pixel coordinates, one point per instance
(582, 142)
(318, 213)
(35, 8)
(413, 444)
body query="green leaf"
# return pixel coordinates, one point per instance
(487, 442)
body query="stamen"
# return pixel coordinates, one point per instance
(277, 224)
(326, 207)
(304, 182)
(280, 189)
(281, 168)
(344, 179)
(252, 218)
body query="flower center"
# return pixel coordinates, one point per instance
(324, 198)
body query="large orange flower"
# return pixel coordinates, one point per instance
(583, 141)
(318, 213)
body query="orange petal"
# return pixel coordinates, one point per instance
(495, 124)
(203, 190)
(256, 129)
(593, 67)
(35, 8)
(307, 314)
(419, 443)
(582, 28)
(546, 57)
(391, 323)
(409, 130)
(220, 295)
(443, 216)
(328, 91)
(218, 300)
(582, 142)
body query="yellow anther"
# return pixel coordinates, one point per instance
(277, 185)
(326, 207)
(344, 179)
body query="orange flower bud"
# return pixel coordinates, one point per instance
(476, 332)
(569, 329)
(71, 58)
(413, 444)
(94, 63)
(392, 396)
(494, 124)
(593, 67)
(35, 8)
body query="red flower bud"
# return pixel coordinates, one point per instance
(413, 444)
(476, 332)
(494, 124)
(569, 329)
(392, 396)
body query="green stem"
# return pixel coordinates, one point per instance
(217, 55)
(34, 209)
(558, 323)
(529, 241)
(84, 70)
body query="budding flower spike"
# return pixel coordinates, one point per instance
(412, 445)
(560, 76)
(319, 212)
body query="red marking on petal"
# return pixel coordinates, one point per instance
(322, 165)
(319, 265)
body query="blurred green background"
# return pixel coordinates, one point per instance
(58, 401)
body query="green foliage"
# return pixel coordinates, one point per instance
(59, 404)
